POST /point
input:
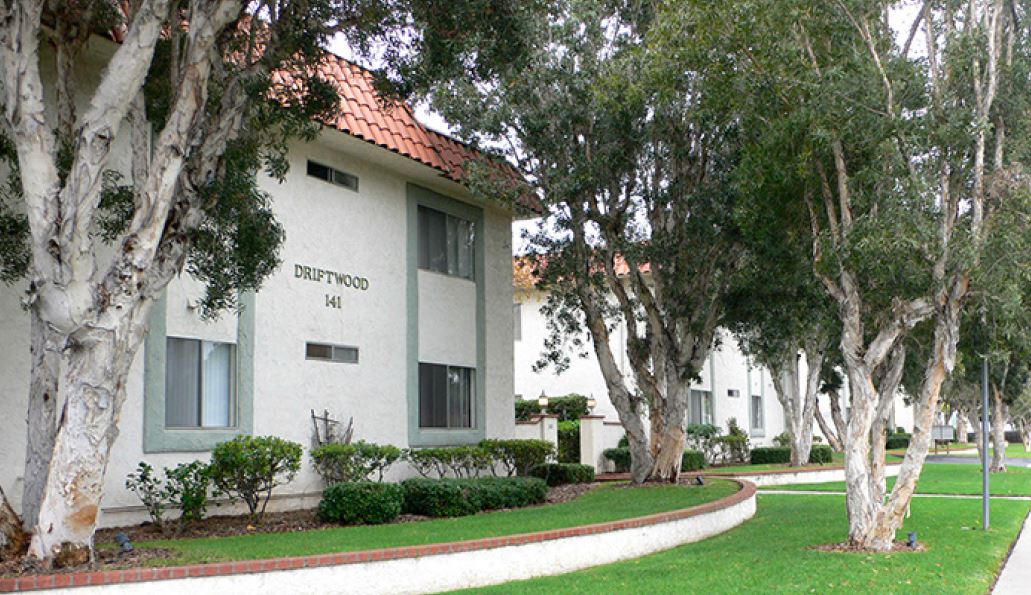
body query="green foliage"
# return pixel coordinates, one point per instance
(449, 497)
(619, 456)
(692, 460)
(187, 488)
(337, 462)
(569, 441)
(821, 454)
(249, 467)
(705, 438)
(733, 446)
(460, 461)
(895, 441)
(361, 503)
(556, 474)
(149, 488)
(771, 455)
(518, 456)
(783, 440)
(569, 407)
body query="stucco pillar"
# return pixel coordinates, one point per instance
(592, 441)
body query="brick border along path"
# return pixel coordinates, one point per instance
(134, 575)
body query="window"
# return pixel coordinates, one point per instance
(200, 378)
(445, 396)
(331, 353)
(757, 413)
(333, 176)
(446, 243)
(517, 319)
(733, 393)
(701, 407)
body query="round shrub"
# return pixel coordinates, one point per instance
(440, 497)
(556, 474)
(692, 460)
(896, 441)
(821, 454)
(338, 463)
(770, 455)
(249, 467)
(361, 502)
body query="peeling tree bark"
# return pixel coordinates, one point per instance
(1000, 416)
(798, 401)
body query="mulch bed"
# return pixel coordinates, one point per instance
(108, 558)
(897, 547)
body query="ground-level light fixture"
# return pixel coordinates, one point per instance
(543, 402)
(123, 543)
(912, 540)
(699, 480)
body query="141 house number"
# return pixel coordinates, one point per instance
(333, 278)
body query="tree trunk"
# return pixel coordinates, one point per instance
(961, 427)
(828, 433)
(92, 389)
(41, 428)
(13, 538)
(998, 430)
(1025, 436)
(799, 403)
(669, 438)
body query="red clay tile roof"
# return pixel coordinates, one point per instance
(391, 124)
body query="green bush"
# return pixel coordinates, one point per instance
(692, 460)
(459, 497)
(460, 461)
(620, 457)
(249, 467)
(338, 463)
(624, 442)
(897, 441)
(821, 454)
(361, 502)
(556, 474)
(770, 455)
(705, 438)
(149, 488)
(518, 456)
(783, 440)
(569, 441)
(187, 487)
(496, 493)
(570, 407)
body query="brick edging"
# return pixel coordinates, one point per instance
(134, 575)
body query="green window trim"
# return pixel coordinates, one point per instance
(158, 438)
(417, 436)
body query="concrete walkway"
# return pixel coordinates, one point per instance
(1015, 578)
(958, 496)
(962, 460)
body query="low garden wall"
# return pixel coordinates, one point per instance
(423, 569)
(778, 477)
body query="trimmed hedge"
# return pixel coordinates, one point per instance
(461, 497)
(556, 474)
(361, 502)
(518, 456)
(820, 454)
(692, 460)
(570, 407)
(339, 463)
(897, 441)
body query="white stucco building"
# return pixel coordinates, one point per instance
(392, 306)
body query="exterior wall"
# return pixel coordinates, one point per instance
(364, 234)
(726, 369)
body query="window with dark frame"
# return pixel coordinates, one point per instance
(446, 243)
(700, 407)
(200, 383)
(446, 396)
(333, 176)
(344, 354)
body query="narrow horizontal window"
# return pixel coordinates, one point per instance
(333, 176)
(344, 354)
(733, 393)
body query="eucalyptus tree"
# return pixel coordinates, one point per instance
(778, 312)
(640, 232)
(192, 82)
(911, 157)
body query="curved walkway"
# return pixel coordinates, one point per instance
(968, 460)
(422, 569)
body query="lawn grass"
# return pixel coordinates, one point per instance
(606, 503)
(1013, 451)
(770, 554)
(943, 478)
